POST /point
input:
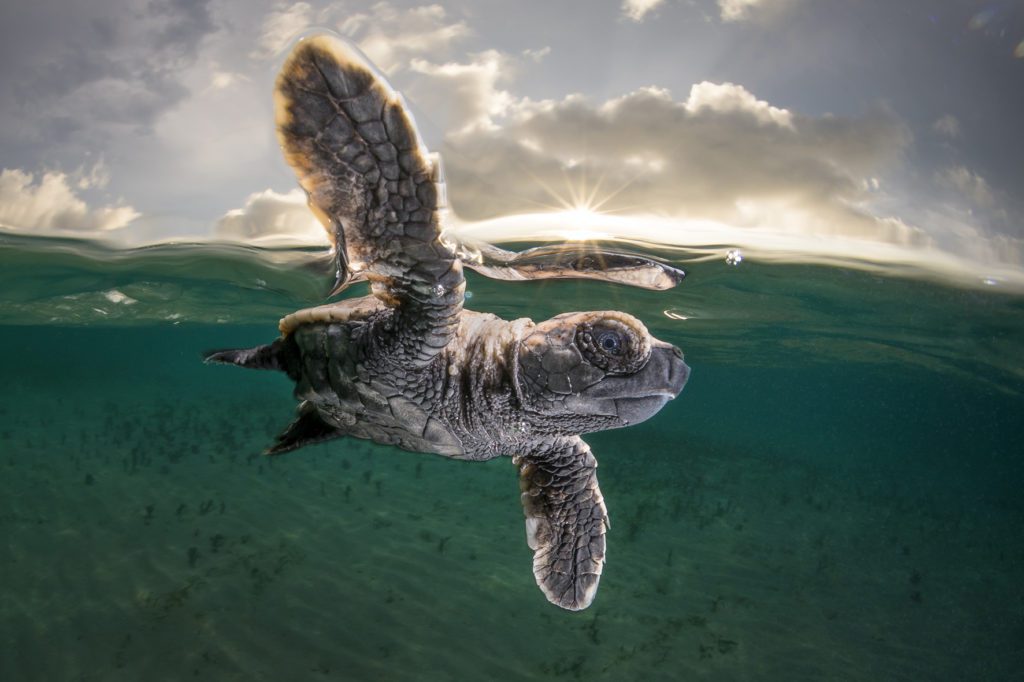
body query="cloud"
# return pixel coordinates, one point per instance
(281, 25)
(715, 165)
(51, 206)
(638, 9)
(97, 176)
(272, 216)
(464, 96)
(223, 80)
(391, 37)
(100, 72)
(388, 35)
(741, 10)
(536, 56)
(968, 183)
(720, 154)
(726, 98)
(948, 126)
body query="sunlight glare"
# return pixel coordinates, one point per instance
(578, 223)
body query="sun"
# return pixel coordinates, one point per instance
(579, 208)
(580, 224)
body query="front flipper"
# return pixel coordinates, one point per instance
(573, 261)
(566, 521)
(356, 152)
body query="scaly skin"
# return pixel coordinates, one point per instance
(356, 152)
(411, 367)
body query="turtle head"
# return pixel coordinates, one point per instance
(596, 371)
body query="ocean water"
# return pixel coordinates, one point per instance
(835, 495)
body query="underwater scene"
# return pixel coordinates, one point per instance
(834, 495)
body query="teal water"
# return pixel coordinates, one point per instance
(835, 495)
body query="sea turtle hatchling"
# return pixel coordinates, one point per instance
(409, 366)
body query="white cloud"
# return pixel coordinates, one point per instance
(537, 55)
(97, 176)
(721, 154)
(390, 37)
(948, 126)
(223, 80)
(968, 183)
(638, 9)
(282, 25)
(464, 96)
(272, 216)
(214, 133)
(716, 155)
(740, 10)
(724, 98)
(51, 205)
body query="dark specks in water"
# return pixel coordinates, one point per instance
(844, 461)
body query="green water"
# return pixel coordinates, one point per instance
(835, 495)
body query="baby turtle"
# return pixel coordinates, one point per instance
(409, 366)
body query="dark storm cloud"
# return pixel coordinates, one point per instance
(75, 74)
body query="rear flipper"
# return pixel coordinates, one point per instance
(566, 522)
(307, 429)
(281, 355)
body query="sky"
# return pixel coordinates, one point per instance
(881, 129)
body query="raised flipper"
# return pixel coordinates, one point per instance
(307, 429)
(281, 355)
(369, 179)
(566, 521)
(572, 261)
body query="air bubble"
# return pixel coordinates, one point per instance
(437, 290)
(734, 257)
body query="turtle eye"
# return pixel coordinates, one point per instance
(612, 346)
(610, 342)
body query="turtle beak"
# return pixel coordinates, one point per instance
(678, 371)
(664, 376)
(637, 397)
